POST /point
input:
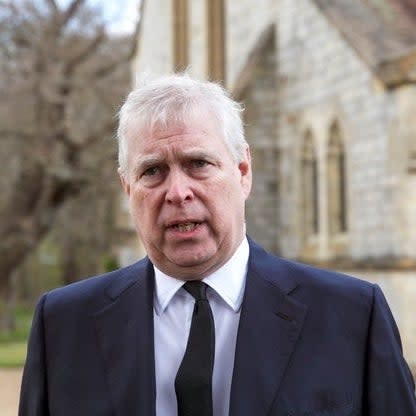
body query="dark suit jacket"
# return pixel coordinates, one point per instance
(310, 343)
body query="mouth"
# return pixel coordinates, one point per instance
(185, 226)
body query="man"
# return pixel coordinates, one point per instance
(208, 323)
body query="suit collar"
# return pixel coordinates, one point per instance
(270, 325)
(228, 281)
(271, 268)
(125, 336)
(128, 276)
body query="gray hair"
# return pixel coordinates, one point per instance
(172, 98)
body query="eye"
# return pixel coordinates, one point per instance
(198, 164)
(152, 175)
(152, 171)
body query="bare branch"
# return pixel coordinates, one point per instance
(133, 50)
(104, 131)
(71, 11)
(137, 33)
(87, 52)
(17, 134)
(106, 70)
(54, 116)
(8, 5)
(52, 4)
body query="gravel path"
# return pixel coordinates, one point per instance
(9, 391)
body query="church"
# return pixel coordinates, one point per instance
(329, 89)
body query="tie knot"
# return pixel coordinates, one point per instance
(197, 289)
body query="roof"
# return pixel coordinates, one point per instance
(381, 31)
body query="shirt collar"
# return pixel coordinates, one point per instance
(228, 281)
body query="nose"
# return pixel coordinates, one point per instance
(178, 188)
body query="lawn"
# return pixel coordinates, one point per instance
(12, 354)
(13, 343)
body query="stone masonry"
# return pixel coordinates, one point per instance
(299, 67)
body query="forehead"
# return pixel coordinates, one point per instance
(199, 130)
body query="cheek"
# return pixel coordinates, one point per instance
(141, 199)
(233, 193)
(142, 208)
(225, 200)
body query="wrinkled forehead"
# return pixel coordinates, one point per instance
(181, 118)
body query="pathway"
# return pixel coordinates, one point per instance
(9, 391)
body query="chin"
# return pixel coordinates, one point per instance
(190, 260)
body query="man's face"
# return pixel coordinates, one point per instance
(187, 196)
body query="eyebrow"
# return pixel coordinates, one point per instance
(198, 154)
(146, 162)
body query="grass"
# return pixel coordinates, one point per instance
(13, 343)
(12, 354)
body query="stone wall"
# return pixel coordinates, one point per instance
(198, 42)
(260, 100)
(156, 41)
(308, 79)
(246, 21)
(321, 79)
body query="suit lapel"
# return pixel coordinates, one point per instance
(125, 335)
(270, 324)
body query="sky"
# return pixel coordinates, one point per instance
(122, 13)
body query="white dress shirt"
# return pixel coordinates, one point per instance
(173, 308)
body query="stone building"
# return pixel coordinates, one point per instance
(329, 88)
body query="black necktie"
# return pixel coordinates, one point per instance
(193, 383)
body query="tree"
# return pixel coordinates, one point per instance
(62, 78)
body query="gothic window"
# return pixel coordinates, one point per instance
(216, 39)
(336, 181)
(309, 188)
(411, 168)
(180, 35)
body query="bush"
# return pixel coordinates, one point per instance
(13, 343)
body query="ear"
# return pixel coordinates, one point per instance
(124, 181)
(244, 167)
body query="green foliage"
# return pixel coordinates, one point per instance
(12, 354)
(110, 263)
(23, 323)
(43, 270)
(13, 343)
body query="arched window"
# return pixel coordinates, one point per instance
(411, 165)
(216, 39)
(180, 35)
(336, 180)
(309, 188)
